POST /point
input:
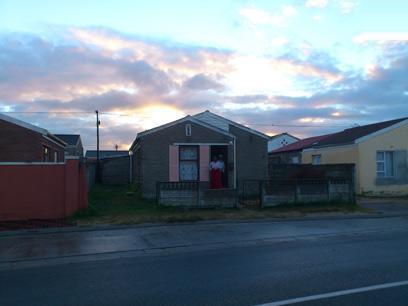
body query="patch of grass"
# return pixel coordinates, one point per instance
(125, 205)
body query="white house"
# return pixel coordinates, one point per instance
(280, 140)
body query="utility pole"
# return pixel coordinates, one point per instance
(97, 170)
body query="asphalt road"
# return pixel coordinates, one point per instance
(249, 274)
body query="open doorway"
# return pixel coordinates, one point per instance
(221, 151)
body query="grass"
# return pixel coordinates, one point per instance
(124, 205)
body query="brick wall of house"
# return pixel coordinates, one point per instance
(151, 164)
(252, 155)
(18, 144)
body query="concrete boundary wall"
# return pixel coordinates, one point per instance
(194, 195)
(42, 190)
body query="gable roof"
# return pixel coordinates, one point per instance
(201, 116)
(70, 139)
(283, 134)
(301, 144)
(34, 128)
(350, 136)
(184, 119)
(106, 153)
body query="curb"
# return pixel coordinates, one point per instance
(89, 228)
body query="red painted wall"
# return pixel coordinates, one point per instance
(42, 191)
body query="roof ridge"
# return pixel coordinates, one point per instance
(235, 123)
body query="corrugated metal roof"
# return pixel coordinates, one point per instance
(301, 144)
(348, 136)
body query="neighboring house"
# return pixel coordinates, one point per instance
(74, 144)
(24, 142)
(278, 141)
(180, 151)
(91, 154)
(379, 152)
(292, 153)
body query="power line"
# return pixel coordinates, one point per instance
(146, 117)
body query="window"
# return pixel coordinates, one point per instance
(46, 154)
(316, 159)
(188, 163)
(295, 159)
(385, 163)
(188, 129)
(55, 157)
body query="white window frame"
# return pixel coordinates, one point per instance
(295, 160)
(314, 157)
(188, 129)
(196, 161)
(383, 173)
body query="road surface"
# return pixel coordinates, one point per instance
(345, 262)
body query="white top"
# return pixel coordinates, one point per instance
(219, 164)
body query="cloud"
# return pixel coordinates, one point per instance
(261, 17)
(347, 6)
(381, 37)
(203, 82)
(145, 83)
(316, 3)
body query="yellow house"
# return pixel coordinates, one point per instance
(379, 152)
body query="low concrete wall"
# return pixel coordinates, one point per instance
(280, 192)
(42, 190)
(194, 194)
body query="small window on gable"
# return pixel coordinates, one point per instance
(188, 129)
(55, 157)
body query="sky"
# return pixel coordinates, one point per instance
(307, 67)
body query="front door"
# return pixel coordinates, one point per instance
(221, 151)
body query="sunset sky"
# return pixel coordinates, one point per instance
(303, 66)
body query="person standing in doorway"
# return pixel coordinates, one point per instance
(221, 166)
(215, 174)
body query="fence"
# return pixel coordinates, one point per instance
(194, 194)
(280, 192)
(42, 190)
(307, 171)
(113, 170)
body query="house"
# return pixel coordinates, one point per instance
(278, 141)
(91, 154)
(74, 144)
(180, 151)
(292, 153)
(23, 142)
(379, 152)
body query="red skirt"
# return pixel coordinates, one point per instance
(216, 182)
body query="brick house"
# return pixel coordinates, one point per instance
(181, 151)
(24, 142)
